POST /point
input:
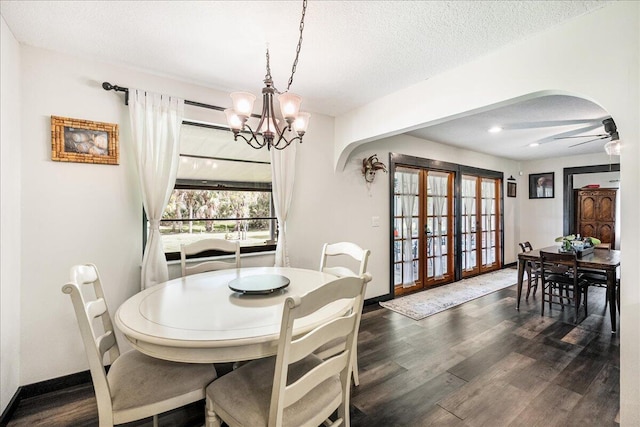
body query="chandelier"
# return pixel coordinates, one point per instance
(270, 132)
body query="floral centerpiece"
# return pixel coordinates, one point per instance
(571, 242)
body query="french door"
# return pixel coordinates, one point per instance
(447, 223)
(480, 225)
(423, 229)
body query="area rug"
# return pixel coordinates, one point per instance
(425, 303)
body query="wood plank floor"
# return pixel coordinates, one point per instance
(479, 364)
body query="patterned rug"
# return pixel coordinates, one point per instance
(425, 303)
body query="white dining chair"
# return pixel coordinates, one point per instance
(226, 247)
(137, 386)
(340, 251)
(296, 387)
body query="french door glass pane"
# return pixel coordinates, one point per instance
(398, 231)
(414, 228)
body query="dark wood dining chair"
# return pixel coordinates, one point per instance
(561, 282)
(532, 267)
(598, 278)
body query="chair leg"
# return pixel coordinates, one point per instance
(155, 420)
(354, 366)
(528, 280)
(211, 418)
(543, 298)
(586, 301)
(577, 297)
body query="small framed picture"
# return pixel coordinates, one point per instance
(541, 185)
(511, 189)
(84, 141)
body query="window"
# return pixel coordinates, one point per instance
(223, 190)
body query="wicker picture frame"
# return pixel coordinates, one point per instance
(84, 141)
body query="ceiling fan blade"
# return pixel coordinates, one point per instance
(581, 136)
(553, 123)
(573, 132)
(591, 140)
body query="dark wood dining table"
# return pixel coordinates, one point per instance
(606, 260)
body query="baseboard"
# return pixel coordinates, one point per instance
(10, 409)
(510, 265)
(377, 299)
(42, 387)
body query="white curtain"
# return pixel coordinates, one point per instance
(283, 171)
(438, 192)
(155, 122)
(409, 189)
(468, 209)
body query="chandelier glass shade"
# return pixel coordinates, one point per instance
(272, 130)
(613, 147)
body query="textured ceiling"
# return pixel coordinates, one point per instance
(353, 51)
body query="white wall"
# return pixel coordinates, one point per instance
(546, 215)
(603, 179)
(560, 60)
(10, 283)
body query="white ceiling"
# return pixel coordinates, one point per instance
(353, 51)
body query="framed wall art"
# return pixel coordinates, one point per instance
(541, 185)
(511, 189)
(84, 141)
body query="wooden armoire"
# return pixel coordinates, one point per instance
(596, 214)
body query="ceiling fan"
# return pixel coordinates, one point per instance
(609, 127)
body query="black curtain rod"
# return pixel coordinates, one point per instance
(109, 86)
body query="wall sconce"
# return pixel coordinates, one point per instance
(370, 166)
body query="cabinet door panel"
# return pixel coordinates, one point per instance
(605, 233)
(606, 209)
(588, 229)
(587, 208)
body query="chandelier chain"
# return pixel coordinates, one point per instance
(295, 61)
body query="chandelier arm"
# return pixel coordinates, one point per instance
(295, 61)
(287, 142)
(253, 142)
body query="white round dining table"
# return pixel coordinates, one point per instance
(199, 319)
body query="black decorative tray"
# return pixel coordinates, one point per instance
(262, 284)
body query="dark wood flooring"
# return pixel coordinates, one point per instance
(479, 364)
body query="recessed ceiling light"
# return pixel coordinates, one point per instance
(534, 144)
(495, 129)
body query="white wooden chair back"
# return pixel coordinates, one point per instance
(226, 246)
(96, 344)
(291, 350)
(344, 248)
